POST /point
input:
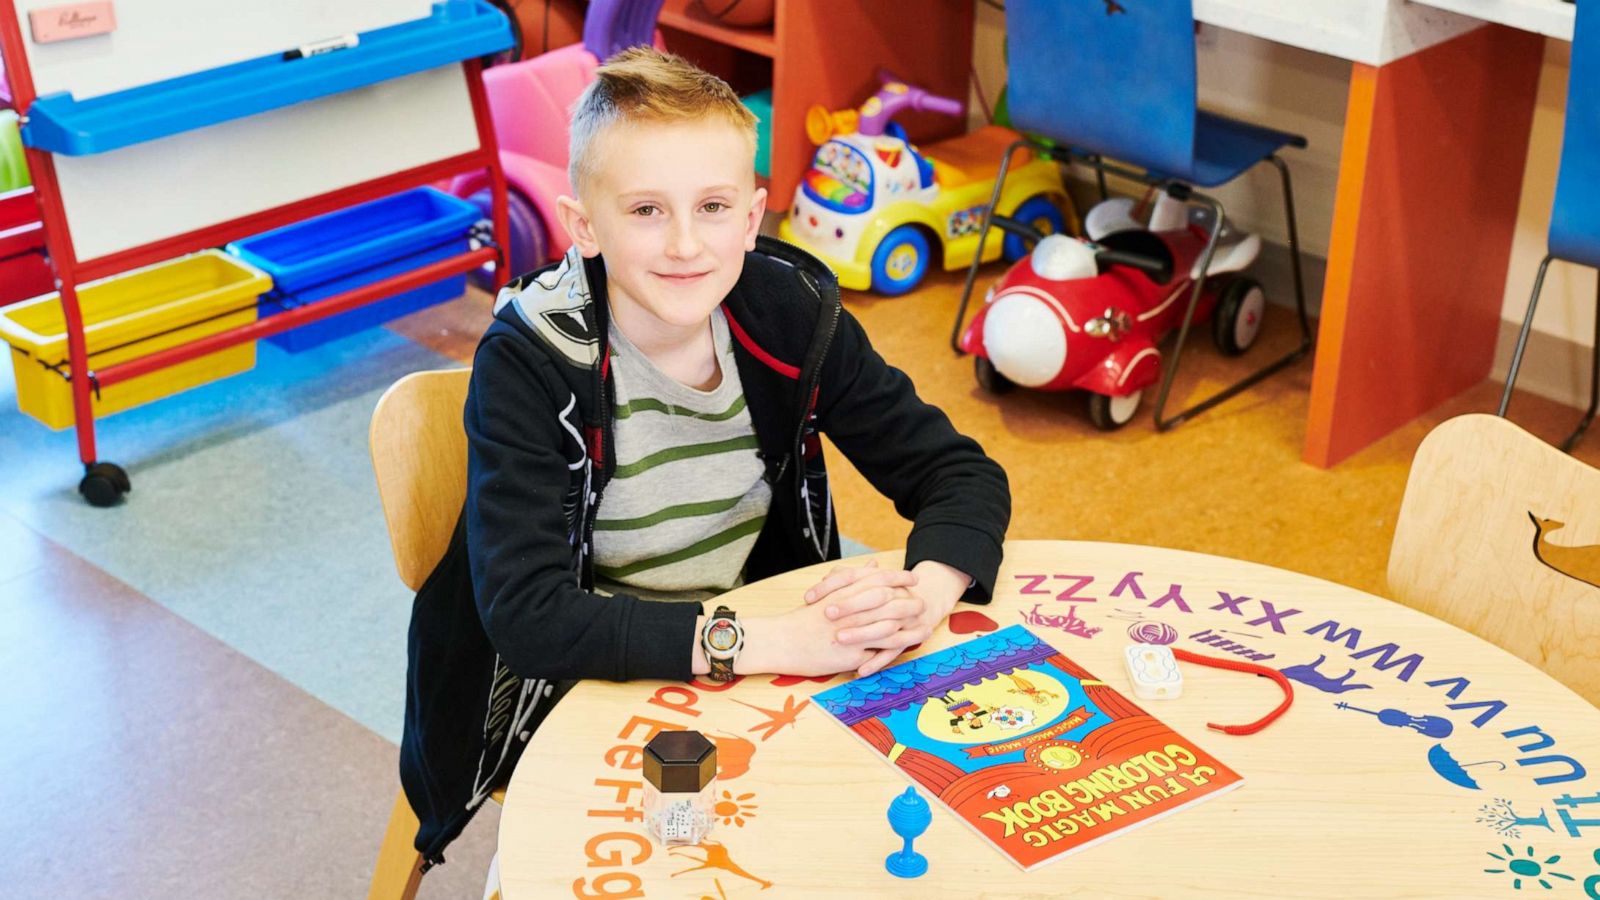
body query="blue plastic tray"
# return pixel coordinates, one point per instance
(330, 246)
(343, 250)
(457, 30)
(373, 314)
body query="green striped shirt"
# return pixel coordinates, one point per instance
(687, 501)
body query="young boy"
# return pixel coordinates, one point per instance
(643, 421)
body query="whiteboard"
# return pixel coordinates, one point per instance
(154, 190)
(159, 39)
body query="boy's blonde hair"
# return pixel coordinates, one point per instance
(642, 84)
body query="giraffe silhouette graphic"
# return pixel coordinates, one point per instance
(1307, 673)
(1579, 563)
(716, 858)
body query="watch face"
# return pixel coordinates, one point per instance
(722, 637)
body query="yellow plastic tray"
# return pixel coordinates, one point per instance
(128, 316)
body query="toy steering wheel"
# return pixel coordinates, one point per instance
(876, 115)
(1159, 270)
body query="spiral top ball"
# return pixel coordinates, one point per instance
(1152, 632)
(909, 814)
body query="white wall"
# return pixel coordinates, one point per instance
(1291, 90)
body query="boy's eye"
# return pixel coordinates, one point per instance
(645, 210)
(715, 206)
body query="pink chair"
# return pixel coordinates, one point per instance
(530, 103)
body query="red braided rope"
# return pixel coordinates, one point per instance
(1239, 666)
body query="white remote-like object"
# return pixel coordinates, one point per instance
(1154, 672)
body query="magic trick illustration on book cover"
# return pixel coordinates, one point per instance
(1025, 746)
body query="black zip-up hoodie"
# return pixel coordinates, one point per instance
(508, 619)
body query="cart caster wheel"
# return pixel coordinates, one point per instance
(1111, 413)
(104, 484)
(989, 378)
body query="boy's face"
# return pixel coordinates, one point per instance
(673, 207)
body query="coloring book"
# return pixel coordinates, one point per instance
(1025, 746)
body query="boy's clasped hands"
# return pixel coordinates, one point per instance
(862, 617)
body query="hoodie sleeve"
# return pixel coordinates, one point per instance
(521, 441)
(956, 497)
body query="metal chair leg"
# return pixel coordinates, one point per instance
(1169, 370)
(1307, 341)
(1522, 346)
(983, 238)
(1594, 381)
(1522, 337)
(1307, 337)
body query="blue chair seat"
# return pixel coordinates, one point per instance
(1224, 148)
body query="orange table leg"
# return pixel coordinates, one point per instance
(1429, 178)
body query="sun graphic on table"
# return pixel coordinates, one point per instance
(1529, 867)
(734, 810)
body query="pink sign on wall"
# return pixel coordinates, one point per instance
(71, 20)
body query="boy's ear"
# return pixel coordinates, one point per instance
(758, 211)
(575, 219)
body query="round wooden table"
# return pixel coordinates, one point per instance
(1336, 803)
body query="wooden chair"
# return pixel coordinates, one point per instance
(1499, 534)
(419, 453)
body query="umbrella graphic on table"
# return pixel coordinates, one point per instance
(1455, 772)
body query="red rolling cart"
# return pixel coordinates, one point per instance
(60, 132)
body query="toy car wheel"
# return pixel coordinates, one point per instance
(1039, 212)
(530, 242)
(989, 378)
(900, 261)
(1111, 413)
(1237, 320)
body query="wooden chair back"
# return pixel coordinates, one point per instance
(419, 453)
(1499, 534)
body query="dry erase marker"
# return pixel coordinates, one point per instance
(328, 46)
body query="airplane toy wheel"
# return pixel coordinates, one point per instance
(1237, 320)
(900, 261)
(1111, 413)
(989, 378)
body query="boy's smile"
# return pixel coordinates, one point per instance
(672, 207)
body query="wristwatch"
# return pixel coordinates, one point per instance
(722, 639)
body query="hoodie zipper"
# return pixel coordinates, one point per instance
(594, 487)
(807, 407)
(831, 310)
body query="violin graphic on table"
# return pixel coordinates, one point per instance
(1432, 726)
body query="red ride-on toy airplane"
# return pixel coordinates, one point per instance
(1089, 314)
